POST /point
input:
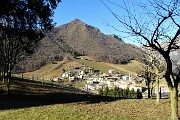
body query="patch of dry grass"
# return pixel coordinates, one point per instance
(132, 109)
(118, 110)
(133, 67)
(50, 70)
(97, 65)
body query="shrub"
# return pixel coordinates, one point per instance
(133, 93)
(139, 94)
(115, 91)
(122, 93)
(106, 91)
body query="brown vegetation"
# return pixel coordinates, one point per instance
(77, 38)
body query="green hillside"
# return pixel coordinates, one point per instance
(51, 70)
(54, 70)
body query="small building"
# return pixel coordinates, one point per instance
(110, 83)
(135, 87)
(89, 81)
(56, 79)
(164, 91)
(80, 76)
(112, 78)
(96, 71)
(121, 84)
(112, 71)
(90, 87)
(71, 78)
(82, 72)
(129, 77)
(65, 74)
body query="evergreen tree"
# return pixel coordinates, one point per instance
(133, 93)
(22, 23)
(139, 94)
(100, 91)
(120, 93)
(106, 91)
(115, 91)
(126, 93)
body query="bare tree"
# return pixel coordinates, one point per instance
(156, 25)
(157, 65)
(150, 72)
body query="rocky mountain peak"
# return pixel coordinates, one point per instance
(77, 21)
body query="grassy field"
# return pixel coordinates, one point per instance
(37, 100)
(34, 100)
(51, 70)
(97, 65)
(133, 67)
(117, 110)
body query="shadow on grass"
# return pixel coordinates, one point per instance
(27, 93)
(21, 101)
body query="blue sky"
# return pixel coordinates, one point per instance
(92, 12)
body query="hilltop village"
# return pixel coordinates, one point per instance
(95, 79)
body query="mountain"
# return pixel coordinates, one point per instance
(174, 54)
(78, 38)
(175, 57)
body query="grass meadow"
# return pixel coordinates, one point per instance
(32, 100)
(129, 109)
(38, 100)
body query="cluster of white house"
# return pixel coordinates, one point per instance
(94, 83)
(95, 80)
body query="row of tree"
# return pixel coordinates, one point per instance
(121, 93)
(22, 25)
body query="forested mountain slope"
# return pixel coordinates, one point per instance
(77, 38)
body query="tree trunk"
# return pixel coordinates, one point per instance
(1, 75)
(9, 78)
(157, 92)
(8, 87)
(8, 82)
(152, 93)
(174, 103)
(4, 75)
(149, 91)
